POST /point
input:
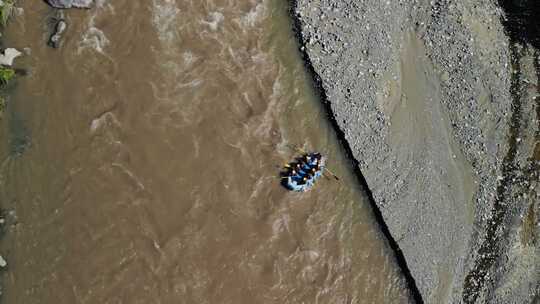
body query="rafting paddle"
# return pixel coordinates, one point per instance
(330, 172)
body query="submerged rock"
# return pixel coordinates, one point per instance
(71, 3)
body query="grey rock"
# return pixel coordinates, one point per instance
(59, 28)
(8, 56)
(71, 3)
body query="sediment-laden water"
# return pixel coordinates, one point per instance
(140, 164)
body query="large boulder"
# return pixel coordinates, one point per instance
(71, 3)
(9, 55)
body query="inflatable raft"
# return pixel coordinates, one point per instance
(301, 174)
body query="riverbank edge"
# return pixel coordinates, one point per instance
(355, 167)
(7, 73)
(509, 226)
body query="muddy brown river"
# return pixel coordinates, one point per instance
(140, 164)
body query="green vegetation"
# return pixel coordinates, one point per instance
(6, 9)
(6, 74)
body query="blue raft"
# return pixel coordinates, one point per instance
(302, 174)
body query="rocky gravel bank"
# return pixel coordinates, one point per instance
(437, 106)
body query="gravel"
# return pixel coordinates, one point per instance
(422, 92)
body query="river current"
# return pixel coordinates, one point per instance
(140, 164)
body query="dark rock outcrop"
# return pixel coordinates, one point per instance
(56, 37)
(71, 3)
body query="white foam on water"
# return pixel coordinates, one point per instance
(282, 146)
(191, 84)
(312, 255)
(96, 124)
(189, 58)
(173, 62)
(259, 185)
(102, 120)
(265, 128)
(280, 225)
(255, 15)
(94, 38)
(132, 177)
(168, 102)
(165, 20)
(215, 19)
(235, 58)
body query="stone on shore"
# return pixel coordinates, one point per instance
(9, 55)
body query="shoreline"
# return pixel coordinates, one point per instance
(438, 114)
(467, 58)
(321, 95)
(376, 259)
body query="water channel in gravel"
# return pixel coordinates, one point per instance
(140, 164)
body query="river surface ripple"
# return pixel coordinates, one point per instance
(140, 164)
